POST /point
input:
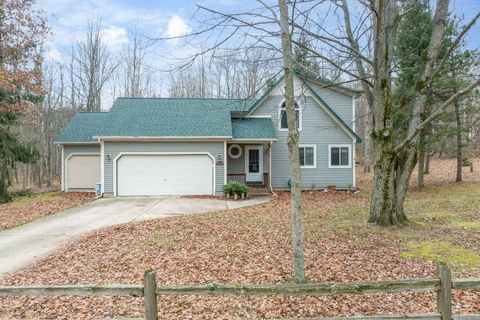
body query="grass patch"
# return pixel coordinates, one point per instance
(351, 219)
(465, 224)
(445, 252)
(43, 197)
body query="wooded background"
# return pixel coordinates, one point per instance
(92, 73)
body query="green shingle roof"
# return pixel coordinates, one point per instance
(83, 127)
(253, 128)
(142, 117)
(176, 117)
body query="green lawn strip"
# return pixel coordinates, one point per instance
(435, 215)
(445, 252)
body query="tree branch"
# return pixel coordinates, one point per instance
(436, 114)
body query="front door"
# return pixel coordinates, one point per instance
(254, 163)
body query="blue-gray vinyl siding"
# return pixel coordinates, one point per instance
(339, 102)
(318, 128)
(114, 148)
(77, 149)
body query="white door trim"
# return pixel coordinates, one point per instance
(119, 155)
(254, 177)
(66, 164)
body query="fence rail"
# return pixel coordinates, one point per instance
(442, 285)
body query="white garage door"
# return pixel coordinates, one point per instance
(150, 175)
(83, 172)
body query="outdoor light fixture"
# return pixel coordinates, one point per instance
(107, 156)
(219, 161)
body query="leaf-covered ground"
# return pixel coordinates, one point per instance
(252, 245)
(25, 209)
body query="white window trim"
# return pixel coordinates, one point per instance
(300, 115)
(330, 146)
(314, 146)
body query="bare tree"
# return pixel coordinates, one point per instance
(293, 146)
(395, 160)
(136, 72)
(92, 67)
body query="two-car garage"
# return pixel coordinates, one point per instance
(145, 168)
(164, 174)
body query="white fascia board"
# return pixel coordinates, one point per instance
(67, 143)
(254, 140)
(173, 138)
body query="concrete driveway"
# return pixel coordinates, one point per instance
(22, 245)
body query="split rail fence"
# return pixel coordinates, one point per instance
(442, 285)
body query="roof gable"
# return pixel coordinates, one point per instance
(322, 103)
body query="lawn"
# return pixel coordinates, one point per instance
(27, 208)
(252, 245)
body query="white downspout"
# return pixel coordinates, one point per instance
(270, 167)
(62, 178)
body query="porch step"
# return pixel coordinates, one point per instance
(259, 192)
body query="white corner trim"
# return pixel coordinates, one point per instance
(63, 168)
(119, 155)
(102, 166)
(225, 162)
(314, 146)
(354, 165)
(330, 146)
(353, 113)
(300, 115)
(66, 164)
(270, 166)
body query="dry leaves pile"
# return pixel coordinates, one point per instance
(26, 209)
(248, 245)
(442, 172)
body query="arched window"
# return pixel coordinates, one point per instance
(283, 116)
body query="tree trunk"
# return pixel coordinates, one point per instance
(367, 152)
(459, 143)
(386, 207)
(426, 169)
(293, 147)
(421, 159)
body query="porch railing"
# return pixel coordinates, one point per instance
(242, 178)
(239, 177)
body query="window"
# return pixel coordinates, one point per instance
(283, 116)
(339, 156)
(234, 151)
(308, 156)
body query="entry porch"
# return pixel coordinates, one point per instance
(249, 163)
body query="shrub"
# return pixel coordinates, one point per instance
(235, 187)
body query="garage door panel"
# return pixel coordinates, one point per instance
(83, 171)
(149, 175)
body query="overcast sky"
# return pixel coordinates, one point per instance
(68, 19)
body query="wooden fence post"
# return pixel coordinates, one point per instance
(444, 293)
(150, 295)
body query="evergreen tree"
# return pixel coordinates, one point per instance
(303, 59)
(22, 31)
